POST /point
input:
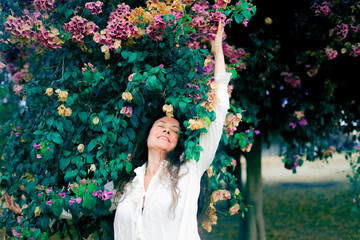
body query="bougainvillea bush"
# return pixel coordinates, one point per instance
(91, 74)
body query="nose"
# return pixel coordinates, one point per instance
(167, 131)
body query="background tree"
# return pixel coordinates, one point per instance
(298, 88)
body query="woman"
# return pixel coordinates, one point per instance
(160, 200)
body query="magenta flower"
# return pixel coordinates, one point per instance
(62, 195)
(49, 203)
(37, 146)
(16, 234)
(71, 201)
(37, 155)
(17, 134)
(106, 195)
(292, 124)
(303, 122)
(96, 193)
(257, 132)
(161, 65)
(78, 200)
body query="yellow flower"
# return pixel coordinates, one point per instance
(234, 209)
(49, 92)
(96, 120)
(207, 226)
(68, 112)
(81, 147)
(127, 96)
(207, 62)
(63, 96)
(117, 44)
(104, 49)
(196, 124)
(169, 110)
(61, 109)
(37, 211)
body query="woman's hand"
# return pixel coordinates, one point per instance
(216, 48)
(216, 44)
(13, 206)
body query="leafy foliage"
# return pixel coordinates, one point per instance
(91, 76)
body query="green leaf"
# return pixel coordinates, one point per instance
(131, 133)
(57, 207)
(182, 105)
(56, 137)
(64, 162)
(83, 116)
(128, 167)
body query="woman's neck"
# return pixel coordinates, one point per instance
(154, 160)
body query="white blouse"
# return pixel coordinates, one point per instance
(155, 221)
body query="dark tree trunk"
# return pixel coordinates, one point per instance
(255, 225)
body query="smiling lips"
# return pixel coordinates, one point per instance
(164, 138)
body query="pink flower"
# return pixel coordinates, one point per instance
(17, 89)
(37, 146)
(94, 7)
(38, 156)
(62, 195)
(78, 200)
(161, 65)
(292, 124)
(127, 111)
(49, 203)
(71, 201)
(106, 195)
(303, 122)
(16, 234)
(17, 134)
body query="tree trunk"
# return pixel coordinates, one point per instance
(255, 225)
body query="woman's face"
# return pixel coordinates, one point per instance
(164, 134)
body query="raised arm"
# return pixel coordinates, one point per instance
(209, 141)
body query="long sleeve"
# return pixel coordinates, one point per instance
(209, 141)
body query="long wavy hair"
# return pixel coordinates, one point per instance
(175, 159)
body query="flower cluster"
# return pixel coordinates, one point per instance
(330, 53)
(300, 118)
(311, 71)
(63, 95)
(355, 50)
(126, 96)
(79, 27)
(128, 111)
(20, 27)
(196, 95)
(341, 31)
(292, 162)
(328, 152)
(23, 75)
(169, 110)
(48, 39)
(94, 7)
(16, 131)
(235, 55)
(291, 79)
(231, 123)
(157, 29)
(44, 5)
(196, 124)
(41, 149)
(322, 9)
(64, 111)
(212, 99)
(119, 28)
